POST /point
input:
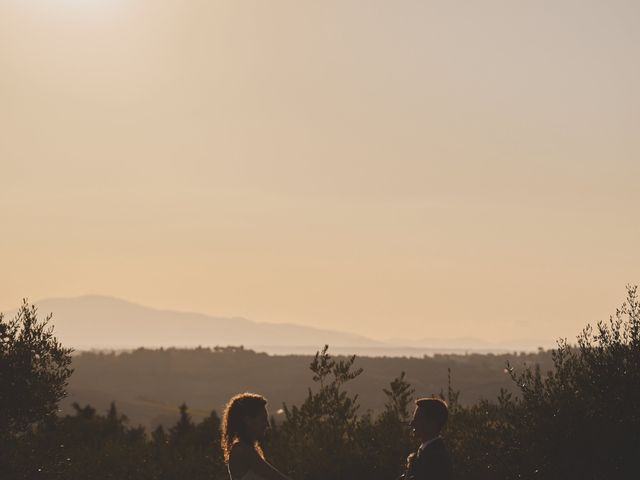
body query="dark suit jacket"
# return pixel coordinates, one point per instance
(431, 463)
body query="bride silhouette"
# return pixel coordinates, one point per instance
(244, 424)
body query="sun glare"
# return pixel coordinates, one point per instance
(75, 6)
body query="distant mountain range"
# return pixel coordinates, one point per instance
(101, 322)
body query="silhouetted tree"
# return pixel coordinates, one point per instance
(34, 368)
(578, 420)
(581, 419)
(316, 439)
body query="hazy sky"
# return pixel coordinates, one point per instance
(391, 168)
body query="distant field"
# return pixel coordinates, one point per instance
(149, 385)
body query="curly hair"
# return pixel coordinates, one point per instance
(232, 429)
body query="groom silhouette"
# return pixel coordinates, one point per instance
(431, 461)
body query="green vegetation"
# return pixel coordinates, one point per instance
(34, 369)
(149, 384)
(577, 420)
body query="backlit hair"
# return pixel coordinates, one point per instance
(233, 429)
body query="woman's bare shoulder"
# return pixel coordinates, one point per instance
(240, 457)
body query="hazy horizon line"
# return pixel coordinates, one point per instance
(476, 344)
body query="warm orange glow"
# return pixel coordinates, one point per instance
(379, 167)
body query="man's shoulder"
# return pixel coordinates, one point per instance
(436, 446)
(435, 460)
(439, 445)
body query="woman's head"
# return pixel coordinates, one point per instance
(244, 420)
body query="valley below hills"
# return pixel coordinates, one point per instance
(148, 385)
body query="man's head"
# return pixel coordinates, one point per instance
(429, 417)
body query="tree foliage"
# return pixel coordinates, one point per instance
(316, 438)
(34, 368)
(578, 420)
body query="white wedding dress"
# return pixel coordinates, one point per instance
(250, 475)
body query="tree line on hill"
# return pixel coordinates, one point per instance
(577, 420)
(149, 384)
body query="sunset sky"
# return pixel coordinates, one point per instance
(390, 168)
